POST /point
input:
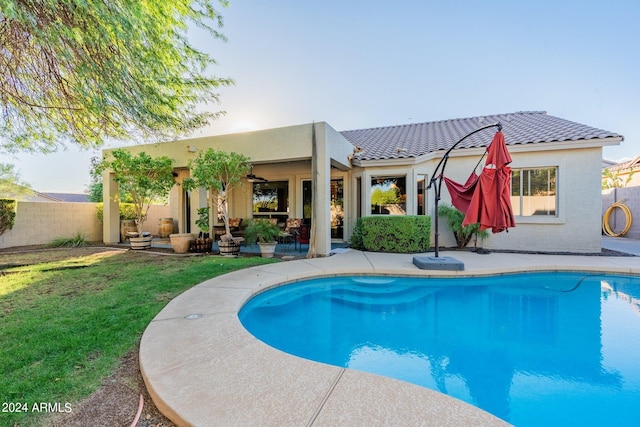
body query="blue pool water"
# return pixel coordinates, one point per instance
(533, 349)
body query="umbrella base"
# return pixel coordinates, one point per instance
(437, 263)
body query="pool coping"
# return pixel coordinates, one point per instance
(201, 367)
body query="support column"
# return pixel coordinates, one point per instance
(322, 195)
(111, 213)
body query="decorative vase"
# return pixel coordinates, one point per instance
(180, 242)
(267, 249)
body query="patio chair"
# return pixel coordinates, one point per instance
(291, 229)
(302, 238)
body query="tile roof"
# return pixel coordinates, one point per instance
(66, 197)
(417, 139)
(629, 164)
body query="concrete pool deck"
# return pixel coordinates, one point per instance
(202, 368)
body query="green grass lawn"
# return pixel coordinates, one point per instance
(67, 316)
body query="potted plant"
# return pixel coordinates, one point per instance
(203, 242)
(265, 233)
(145, 179)
(219, 172)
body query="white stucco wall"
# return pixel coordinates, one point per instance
(576, 228)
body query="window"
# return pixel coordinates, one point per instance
(389, 195)
(271, 196)
(358, 197)
(533, 191)
(421, 202)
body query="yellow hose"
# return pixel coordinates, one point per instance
(605, 219)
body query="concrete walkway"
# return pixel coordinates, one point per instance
(622, 244)
(203, 368)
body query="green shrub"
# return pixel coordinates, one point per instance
(395, 234)
(127, 211)
(77, 241)
(262, 230)
(7, 214)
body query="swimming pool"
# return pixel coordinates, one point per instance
(533, 349)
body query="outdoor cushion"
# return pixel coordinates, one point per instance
(292, 223)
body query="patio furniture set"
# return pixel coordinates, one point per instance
(293, 230)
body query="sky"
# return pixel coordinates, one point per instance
(360, 64)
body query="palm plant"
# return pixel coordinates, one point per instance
(462, 234)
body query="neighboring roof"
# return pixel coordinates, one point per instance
(69, 197)
(417, 139)
(629, 164)
(58, 197)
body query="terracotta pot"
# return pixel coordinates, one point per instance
(180, 242)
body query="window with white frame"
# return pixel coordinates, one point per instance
(421, 194)
(534, 191)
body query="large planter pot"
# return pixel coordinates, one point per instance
(140, 243)
(267, 249)
(180, 242)
(127, 226)
(230, 248)
(202, 245)
(165, 227)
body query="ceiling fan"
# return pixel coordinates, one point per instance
(252, 178)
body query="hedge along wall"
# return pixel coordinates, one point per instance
(395, 234)
(38, 223)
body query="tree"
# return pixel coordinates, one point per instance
(612, 179)
(219, 172)
(85, 70)
(10, 184)
(143, 177)
(7, 215)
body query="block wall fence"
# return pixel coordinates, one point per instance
(39, 223)
(629, 196)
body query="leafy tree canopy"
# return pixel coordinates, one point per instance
(82, 71)
(143, 177)
(10, 184)
(219, 172)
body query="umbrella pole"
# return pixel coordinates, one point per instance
(436, 180)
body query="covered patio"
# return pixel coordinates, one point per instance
(279, 185)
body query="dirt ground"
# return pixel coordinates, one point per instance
(115, 403)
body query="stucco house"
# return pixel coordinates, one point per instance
(555, 187)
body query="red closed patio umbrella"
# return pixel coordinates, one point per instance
(461, 194)
(490, 203)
